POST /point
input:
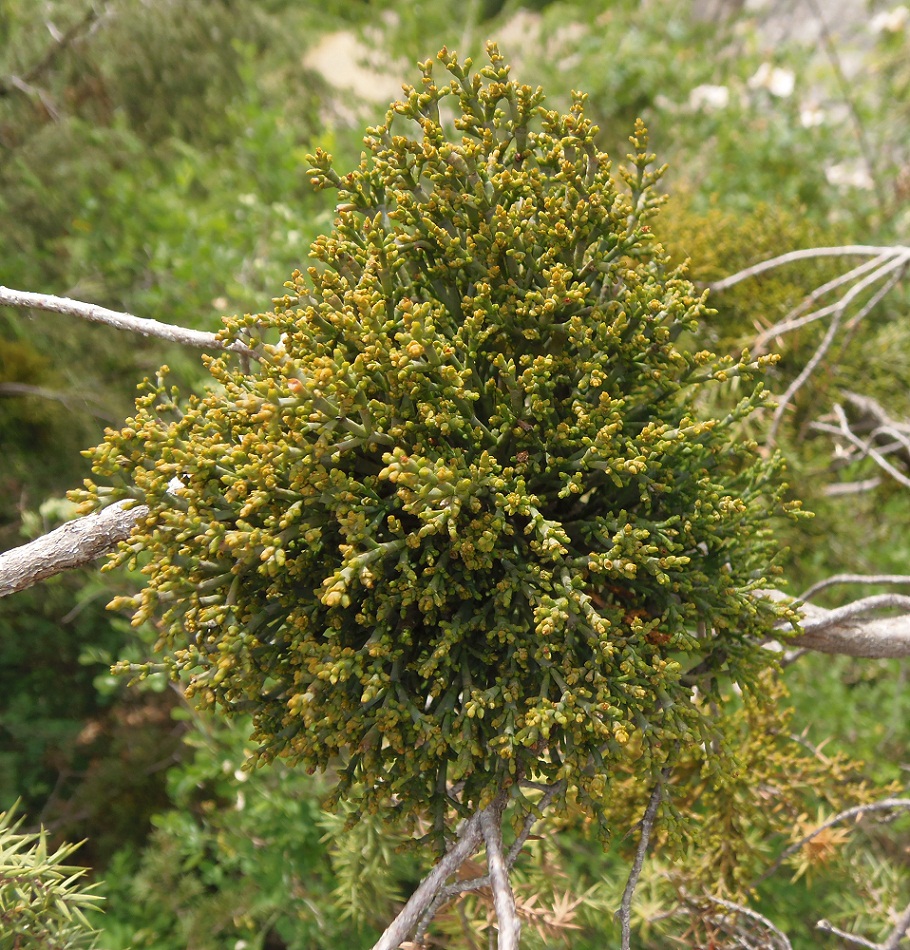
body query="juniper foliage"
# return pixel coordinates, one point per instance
(43, 900)
(462, 523)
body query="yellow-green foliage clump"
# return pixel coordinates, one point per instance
(461, 525)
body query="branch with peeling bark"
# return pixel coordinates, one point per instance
(74, 544)
(851, 631)
(121, 321)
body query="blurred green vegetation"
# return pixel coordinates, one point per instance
(151, 160)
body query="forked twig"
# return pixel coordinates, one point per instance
(447, 893)
(740, 909)
(469, 838)
(791, 257)
(886, 804)
(880, 267)
(838, 310)
(865, 447)
(888, 264)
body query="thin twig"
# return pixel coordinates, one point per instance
(879, 294)
(874, 408)
(27, 89)
(853, 579)
(753, 915)
(865, 447)
(503, 898)
(62, 41)
(887, 804)
(900, 930)
(847, 250)
(847, 93)
(837, 489)
(550, 792)
(801, 379)
(647, 823)
(121, 321)
(23, 82)
(826, 926)
(879, 268)
(838, 310)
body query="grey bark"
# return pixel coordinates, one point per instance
(75, 544)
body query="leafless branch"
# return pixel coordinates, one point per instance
(851, 488)
(791, 257)
(121, 321)
(891, 943)
(503, 898)
(826, 926)
(899, 932)
(888, 264)
(859, 608)
(61, 42)
(550, 792)
(878, 638)
(849, 631)
(452, 890)
(74, 544)
(854, 579)
(838, 310)
(739, 909)
(647, 824)
(847, 91)
(34, 92)
(803, 376)
(886, 804)
(865, 447)
(874, 409)
(880, 267)
(467, 842)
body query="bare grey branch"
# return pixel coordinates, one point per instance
(647, 824)
(849, 250)
(121, 321)
(503, 898)
(74, 544)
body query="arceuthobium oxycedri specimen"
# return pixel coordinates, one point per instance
(463, 522)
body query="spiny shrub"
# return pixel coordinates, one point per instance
(43, 900)
(461, 525)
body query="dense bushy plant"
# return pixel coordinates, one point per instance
(461, 524)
